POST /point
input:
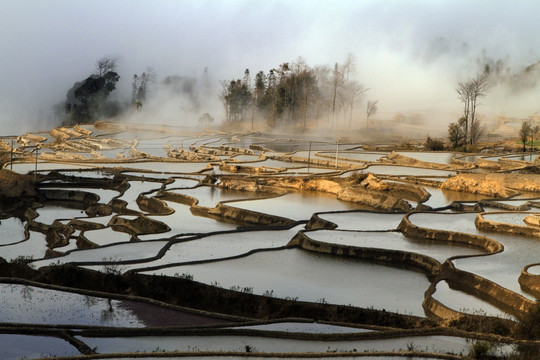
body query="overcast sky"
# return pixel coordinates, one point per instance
(410, 53)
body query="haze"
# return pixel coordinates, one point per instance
(410, 54)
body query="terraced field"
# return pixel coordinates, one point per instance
(125, 241)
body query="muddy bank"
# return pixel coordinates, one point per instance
(362, 189)
(494, 184)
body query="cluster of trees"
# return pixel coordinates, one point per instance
(88, 99)
(140, 85)
(295, 93)
(526, 132)
(468, 129)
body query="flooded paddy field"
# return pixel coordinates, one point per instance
(256, 243)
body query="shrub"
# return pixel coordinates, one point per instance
(434, 144)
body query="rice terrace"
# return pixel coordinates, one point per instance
(135, 241)
(203, 179)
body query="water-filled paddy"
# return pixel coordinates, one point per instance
(461, 301)
(305, 327)
(34, 247)
(392, 241)
(11, 231)
(509, 217)
(182, 221)
(296, 205)
(365, 221)
(20, 305)
(439, 344)
(441, 197)
(234, 259)
(224, 245)
(121, 252)
(16, 347)
(49, 213)
(316, 277)
(404, 170)
(210, 196)
(434, 157)
(355, 156)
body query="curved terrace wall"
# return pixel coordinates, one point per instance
(483, 242)
(423, 262)
(483, 224)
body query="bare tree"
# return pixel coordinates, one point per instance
(105, 64)
(224, 97)
(336, 81)
(371, 110)
(353, 92)
(469, 92)
(464, 94)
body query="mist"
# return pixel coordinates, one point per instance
(410, 54)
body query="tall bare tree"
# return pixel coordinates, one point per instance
(336, 81)
(371, 110)
(105, 64)
(469, 93)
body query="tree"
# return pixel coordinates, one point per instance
(456, 133)
(105, 64)
(236, 97)
(139, 86)
(477, 130)
(524, 132)
(534, 131)
(87, 99)
(336, 81)
(371, 110)
(469, 92)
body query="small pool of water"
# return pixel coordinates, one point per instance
(463, 302)
(11, 231)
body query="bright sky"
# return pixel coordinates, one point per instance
(410, 53)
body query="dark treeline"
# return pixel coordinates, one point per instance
(294, 93)
(91, 99)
